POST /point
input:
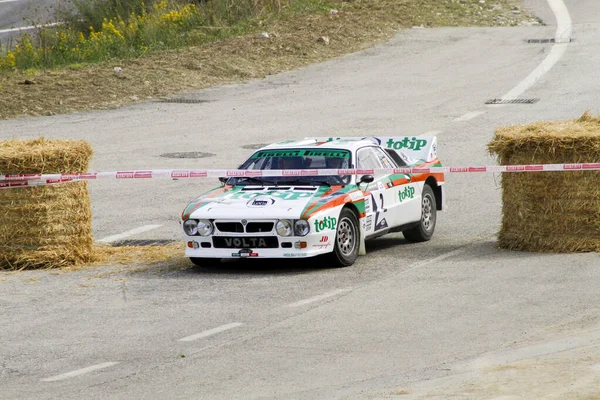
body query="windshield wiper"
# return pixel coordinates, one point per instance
(259, 181)
(307, 182)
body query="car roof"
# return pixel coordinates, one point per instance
(331, 143)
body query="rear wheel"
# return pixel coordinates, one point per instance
(424, 231)
(347, 239)
(205, 262)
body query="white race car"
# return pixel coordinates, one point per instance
(295, 216)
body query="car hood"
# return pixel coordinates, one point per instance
(243, 202)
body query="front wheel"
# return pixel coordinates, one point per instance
(347, 239)
(205, 262)
(424, 231)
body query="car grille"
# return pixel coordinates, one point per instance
(251, 227)
(254, 227)
(236, 227)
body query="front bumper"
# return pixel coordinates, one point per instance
(197, 247)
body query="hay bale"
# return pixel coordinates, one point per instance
(550, 211)
(45, 226)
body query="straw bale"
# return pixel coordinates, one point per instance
(45, 226)
(550, 211)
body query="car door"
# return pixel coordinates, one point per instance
(378, 197)
(404, 204)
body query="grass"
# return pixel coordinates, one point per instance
(224, 51)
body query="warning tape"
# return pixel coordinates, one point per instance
(8, 181)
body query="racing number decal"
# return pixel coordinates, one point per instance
(378, 210)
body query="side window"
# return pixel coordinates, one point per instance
(384, 158)
(367, 159)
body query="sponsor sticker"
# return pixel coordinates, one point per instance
(406, 143)
(354, 196)
(260, 202)
(302, 153)
(327, 223)
(368, 208)
(407, 193)
(369, 222)
(244, 253)
(245, 242)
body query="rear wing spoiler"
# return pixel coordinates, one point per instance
(409, 148)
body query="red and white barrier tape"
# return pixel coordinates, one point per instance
(14, 181)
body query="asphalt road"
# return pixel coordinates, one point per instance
(15, 14)
(406, 318)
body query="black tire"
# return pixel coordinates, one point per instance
(347, 239)
(424, 231)
(205, 262)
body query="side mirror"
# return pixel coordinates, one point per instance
(223, 179)
(366, 179)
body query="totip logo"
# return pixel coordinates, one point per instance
(327, 223)
(406, 143)
(407, 193)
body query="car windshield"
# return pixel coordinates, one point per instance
(290, 159)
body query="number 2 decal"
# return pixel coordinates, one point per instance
(379, 223)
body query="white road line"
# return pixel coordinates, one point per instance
(562, 39)
(430, 133)
(318, 298)
(132, 232)
(79, 372)
(437, 259)
(469, 116)
(564, 24)
(9, 1)
(211, 332)
(26, 28)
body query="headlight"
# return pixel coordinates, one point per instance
(301, 227)
(205, 227)
(284, 227)
(190, 227)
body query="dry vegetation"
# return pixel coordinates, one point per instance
(140, 255)
(292, 42)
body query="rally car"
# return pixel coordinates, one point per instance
(293, 215)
